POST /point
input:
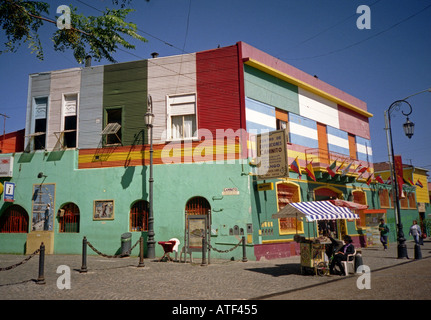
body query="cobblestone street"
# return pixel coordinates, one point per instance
(109, 279)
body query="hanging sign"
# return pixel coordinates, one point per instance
(272, 155)
(265, 186)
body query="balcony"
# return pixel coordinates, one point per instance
(346, 165)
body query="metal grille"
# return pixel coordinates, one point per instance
(198, 206)
(139, 216)
(69, 222)
(14, 220)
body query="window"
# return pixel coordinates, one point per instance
(385, 201)
(287, 193)
(182, 117)
(359, 197)
(412, 200)
(404, 202)
(70, 120)
(68, 218)
(282, 121)
(112, 131)
(139, 216)
(39, 125)
(14, 220)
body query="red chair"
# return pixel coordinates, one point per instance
(168, 247)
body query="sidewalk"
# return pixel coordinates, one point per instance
(121, 279)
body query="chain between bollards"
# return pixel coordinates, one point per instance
(41, 278)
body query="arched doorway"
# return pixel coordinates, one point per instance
(327, 193)
(197, 224)
(68, 218)
(198, 206)
(14, 220)
(139, 216)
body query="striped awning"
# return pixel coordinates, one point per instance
(315, 210)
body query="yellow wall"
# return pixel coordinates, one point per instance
(422, 194)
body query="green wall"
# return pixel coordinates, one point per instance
(268, 89)
(125, 86)
(174, 185)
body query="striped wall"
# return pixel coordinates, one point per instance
(229, 95)
(260, 117)
(303, 131)
(338, 141)
(316, 108)
(169, 153)
(364, 151)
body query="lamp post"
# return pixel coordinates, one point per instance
(149, 118)
(408, 127)
(408, 130)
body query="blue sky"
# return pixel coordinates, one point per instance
(388, 62)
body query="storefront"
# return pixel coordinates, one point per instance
(369, 224)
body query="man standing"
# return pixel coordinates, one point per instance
(384, 231)
(415, 231)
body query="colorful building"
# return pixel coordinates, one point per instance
(414, 198)
(85, 166)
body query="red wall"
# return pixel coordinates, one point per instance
(12, 142)
(218, 89)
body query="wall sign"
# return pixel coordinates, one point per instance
(9, 192)
(272, 155)
(6, 167)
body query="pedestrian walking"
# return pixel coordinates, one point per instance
(384, 231)
(415, 232)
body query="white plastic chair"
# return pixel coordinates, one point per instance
(175, 248)
(349, 265)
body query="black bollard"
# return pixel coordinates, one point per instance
(84, 256)
(418, 252)
(41, 278)
(244, 251)
(358, 261)
(141, 253)
(204, 259)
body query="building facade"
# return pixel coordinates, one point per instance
(85, 166)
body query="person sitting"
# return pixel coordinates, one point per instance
(341, 255)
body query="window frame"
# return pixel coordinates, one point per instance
(299, 222)
(120, 132)
(170, 115)
(35, 136)
(69, 132)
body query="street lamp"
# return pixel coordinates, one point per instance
(149, 118)
(408, 127)
(408, 130)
